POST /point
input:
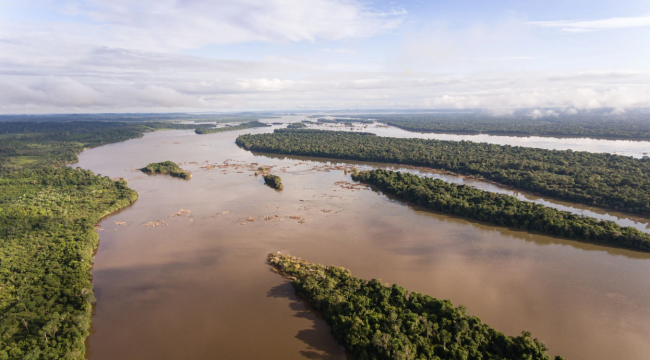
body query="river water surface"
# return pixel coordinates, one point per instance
(197, 285)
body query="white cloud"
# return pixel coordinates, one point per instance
(254, 85)
(578, 26)
(339, 51)
(170, 24)
(125, 55)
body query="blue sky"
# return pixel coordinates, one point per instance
(227, 55)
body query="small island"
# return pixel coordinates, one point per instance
(296, 126)
(167, 167)
(243, 126)
(273, 181)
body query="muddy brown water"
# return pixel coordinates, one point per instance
(199, 287)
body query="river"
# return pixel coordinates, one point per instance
(197, 286)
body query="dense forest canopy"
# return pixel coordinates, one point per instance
(247, 125)
(296, 126)
(47, 237)
(606, 180)
(47, 234)
(632, 126)
(29, 145)
(374, 321)
(167, 167)
(502, 210)
(141, 117)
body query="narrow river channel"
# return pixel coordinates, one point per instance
(197, 285)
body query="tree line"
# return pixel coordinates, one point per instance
(47, 238)
(502, 210)
(167, 167)
(48, 214)
(374, 321)
(247, 125)
(29, 145)
(627, 127)
(605, 180)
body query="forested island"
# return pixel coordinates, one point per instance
(296, 126)
(47, 234)
(631, 126)
(502, 210)
(345, 121)
(247, 125)
(605, 180)
(167, 167)
(273, 181)
(28, 145)
(374, 321)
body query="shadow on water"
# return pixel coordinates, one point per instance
(539, 239)
(321, 346)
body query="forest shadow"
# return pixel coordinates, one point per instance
(319, 339)
(539, 239)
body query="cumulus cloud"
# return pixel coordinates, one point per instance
(124, 55)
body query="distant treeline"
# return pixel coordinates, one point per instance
(344, 121)
(315, 131)
(296, 126)
(27, 145)
(139, 117)
(248, 125)
(167, 167)
(606, 180)
(377, 322)
(502, 210)
(629, 127)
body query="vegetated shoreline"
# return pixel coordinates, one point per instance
(243, 126)
(49, 214)
(374, 321)
(632, 217)
(632, 126)
(46, 303)
(502, 210)
(602, 180)
(167, 167)
(516, 134)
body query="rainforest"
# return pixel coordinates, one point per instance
(604, 180)
(502, 210)
(375, 321)
(632, 126)
(167, 167)
(47, 232)
(243, 126)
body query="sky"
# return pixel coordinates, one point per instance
(85, 56)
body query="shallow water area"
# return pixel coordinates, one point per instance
(197, 285)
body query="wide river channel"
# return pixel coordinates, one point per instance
(197, 286)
